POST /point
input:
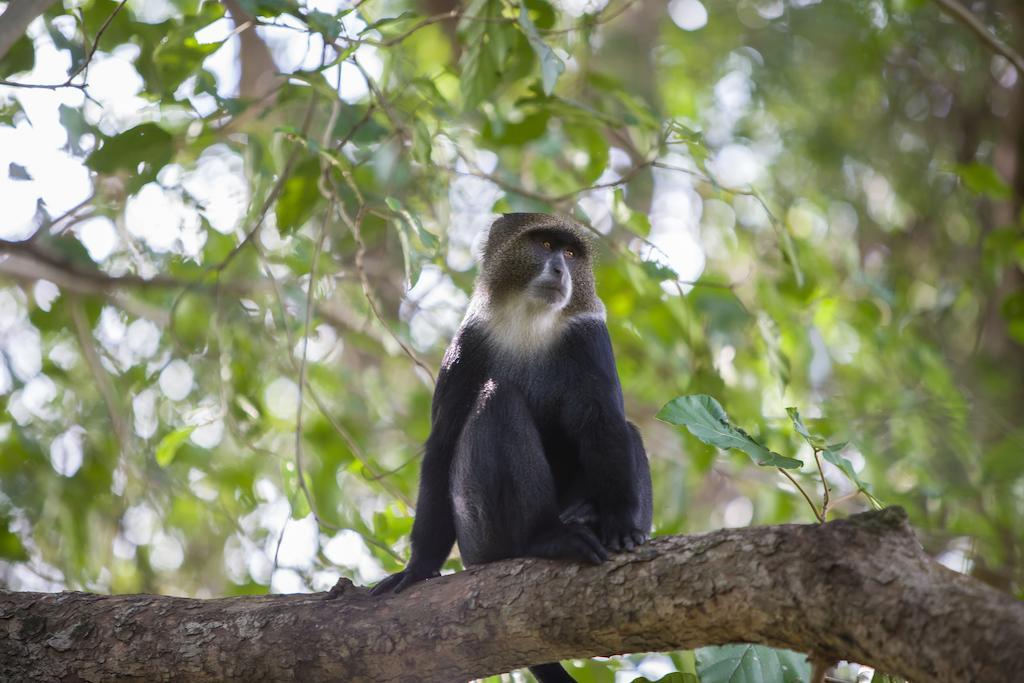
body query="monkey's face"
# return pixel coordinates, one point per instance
(555, 257)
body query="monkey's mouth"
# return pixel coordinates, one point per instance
(549, 292)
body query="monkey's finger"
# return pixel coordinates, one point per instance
(627, 542)
(404, 583)
(595, 551)
(387, 585)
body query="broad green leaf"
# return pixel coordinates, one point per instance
(833, 454)
(169, 445)
(299, 197)
(705, 418)
(177, 60)
(487, 45)
(551, 66)
(982, 179)
(140, 151)
(751, 664)
(11, 547)
(327, 24)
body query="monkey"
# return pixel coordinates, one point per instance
(529, 453)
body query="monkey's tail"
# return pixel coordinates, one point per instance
(551, 673)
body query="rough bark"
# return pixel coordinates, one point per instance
(858, 589)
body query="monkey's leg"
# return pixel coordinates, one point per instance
(503, 491)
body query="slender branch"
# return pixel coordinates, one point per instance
(96, 42)
(299, 470)
(824, 485)
(814, 508)
(81, 67)
(87, 344)
(964, 15)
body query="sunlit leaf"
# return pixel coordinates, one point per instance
(705, 418)
(551, 66)
(984, 180)
(169, 445)
(751, 664)
(142, 151)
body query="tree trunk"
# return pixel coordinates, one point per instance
(859, 589)
(15, 20)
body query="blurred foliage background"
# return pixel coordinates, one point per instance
(237, 237)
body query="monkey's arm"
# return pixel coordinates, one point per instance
(615, 469)
(433, 530)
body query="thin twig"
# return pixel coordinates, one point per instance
(311, 286)
(103, 384)
(964, 15)
(96, 42)
(824, 485)
(81, 67)
(814, 508)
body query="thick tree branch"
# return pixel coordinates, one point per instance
(16, 18)
(858, 589)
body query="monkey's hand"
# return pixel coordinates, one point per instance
(619, 531)
(396, 583)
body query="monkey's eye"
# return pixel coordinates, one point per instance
(570, 253)
(546, 244)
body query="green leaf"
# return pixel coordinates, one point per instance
(21, 57)
(705, 418)
(296, 496)
(408, 14)
(1013, 311)
(11, 110)
(487, 47)
(636, 221)
(177, 60)
(427, 239)
(169, 445)
(658, 272)
(815, 442)
(299, 196)
(983, 180)
(140, 151)
(751, 664)
(11, 547)
(833, 454)
(551, 66)
(270, 8)
(778, 361)
(327, 24)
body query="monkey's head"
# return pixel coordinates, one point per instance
(544, 258)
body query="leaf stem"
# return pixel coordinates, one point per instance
(824, 485)
(814, 508)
